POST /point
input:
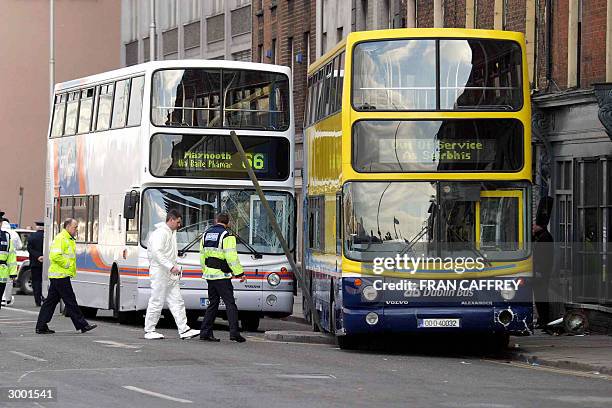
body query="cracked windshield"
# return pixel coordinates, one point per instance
(248, 218)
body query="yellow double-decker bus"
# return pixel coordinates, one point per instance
(417, 184)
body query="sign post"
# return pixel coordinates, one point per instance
(275, 226)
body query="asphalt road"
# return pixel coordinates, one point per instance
(114, 366)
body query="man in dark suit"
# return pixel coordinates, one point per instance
(543, 257)
(35, 250)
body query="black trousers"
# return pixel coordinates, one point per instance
(61, 289)
(37, 284)
(220, 288)
(2, 287)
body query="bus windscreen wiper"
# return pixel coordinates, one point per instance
(186, 248)
(252, 250)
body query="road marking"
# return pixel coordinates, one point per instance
(267, 364)
(24, 355)
(10, 322)
(554, 370)
(156, 394)
(20, 310)
(116, 344)
(307, 376)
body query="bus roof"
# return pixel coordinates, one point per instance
(167, 64)
(357, 36)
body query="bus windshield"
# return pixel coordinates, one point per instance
(437, 219)
(198, 208)
(444, 74)
(220, 98)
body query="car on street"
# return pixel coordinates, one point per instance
(24, 276)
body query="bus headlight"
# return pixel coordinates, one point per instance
(271, 300)
(371, 318)
(369, 293)
(508, 294)
(274, 279)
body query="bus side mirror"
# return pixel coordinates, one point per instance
(129, 204)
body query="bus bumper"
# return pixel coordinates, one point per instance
(512, 319)
(266, 302)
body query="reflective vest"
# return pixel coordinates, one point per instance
(8, 257)
(62, 255)
(218, 254)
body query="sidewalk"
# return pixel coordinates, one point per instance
(585, 353)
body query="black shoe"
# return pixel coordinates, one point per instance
(88, 328)
(210, 338)
(46, 330)
(238, 339)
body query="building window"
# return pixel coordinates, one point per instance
(323, 43)
(131, 53)
(242, 56)
(339, 34)
(273, 57)
(306, 48)
(260, 53)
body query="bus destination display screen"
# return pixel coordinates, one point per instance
(216, 156)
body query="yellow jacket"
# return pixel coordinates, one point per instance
(62, 255)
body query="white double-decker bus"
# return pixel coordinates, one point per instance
(128, 145)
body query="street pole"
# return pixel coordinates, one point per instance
(276, 227)
(152, 33)
(51, 52)
(20, 204)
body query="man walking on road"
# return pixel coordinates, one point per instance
(220, 263)
(164, 274)
(35, 251)
(62, 255)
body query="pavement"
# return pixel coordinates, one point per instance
(588, 353)
(114, 366)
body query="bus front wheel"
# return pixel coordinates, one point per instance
(249, 322)
(346, 342)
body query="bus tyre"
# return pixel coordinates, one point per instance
(249, 322)
(25, 282)
(193, 317)
(346, 342)
(89, 312)
(500, 342)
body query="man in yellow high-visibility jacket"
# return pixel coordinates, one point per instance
(62, 255)
(220, 263)
(8, 260)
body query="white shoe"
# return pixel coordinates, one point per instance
(153, 336)
(189, 334)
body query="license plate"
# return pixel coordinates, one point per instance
(206, 302)
(438, 323)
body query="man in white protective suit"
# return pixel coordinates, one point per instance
(164, 274)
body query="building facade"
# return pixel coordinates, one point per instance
(569, 52)
(86, 42)
(209, 29)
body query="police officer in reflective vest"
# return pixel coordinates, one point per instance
(220, 263)
(8, 260)
(62, 255)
